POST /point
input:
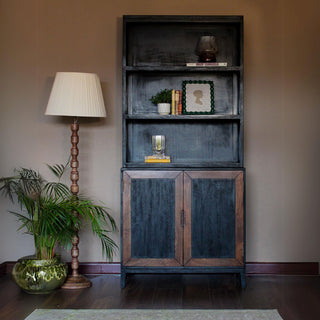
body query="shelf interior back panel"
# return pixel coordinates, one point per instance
(187, 142)
(141, 86)
(162, 44)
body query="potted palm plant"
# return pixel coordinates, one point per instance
(47, 213)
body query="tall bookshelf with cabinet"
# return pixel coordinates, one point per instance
(186, 215)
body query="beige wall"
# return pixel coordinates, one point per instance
(282, 72)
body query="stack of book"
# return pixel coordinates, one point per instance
(157, 159)
(207, 64)
(176, 104)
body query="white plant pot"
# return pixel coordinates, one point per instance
(164, 108)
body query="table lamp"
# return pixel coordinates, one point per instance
(76, 94)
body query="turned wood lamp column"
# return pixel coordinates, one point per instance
(78, 95)
(76, 280)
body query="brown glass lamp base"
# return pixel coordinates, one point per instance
(76, 282)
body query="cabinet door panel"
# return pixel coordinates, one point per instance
(151, 228)
(214, 218)
(152, 223)
(213, 214)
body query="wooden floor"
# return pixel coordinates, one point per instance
(295, 297)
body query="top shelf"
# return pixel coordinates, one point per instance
(182, 117)
(182, 19)
(170, 42)
(180, 69)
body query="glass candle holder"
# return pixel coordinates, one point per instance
(158, 145)
(206, 49)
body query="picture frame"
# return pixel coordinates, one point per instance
(197, 97)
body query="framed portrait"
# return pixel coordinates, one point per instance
(197, 97)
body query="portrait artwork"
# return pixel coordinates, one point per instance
(198, 97)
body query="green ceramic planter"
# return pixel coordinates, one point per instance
(39, 276)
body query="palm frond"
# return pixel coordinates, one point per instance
(56, 190)
(26, 202)
(30, 181)
(58, 170)
(101, 223)
(25, 221)
(8, 186)
(57, 218)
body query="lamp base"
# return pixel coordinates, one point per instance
(77, 282)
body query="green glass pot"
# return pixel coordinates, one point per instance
(39, 276)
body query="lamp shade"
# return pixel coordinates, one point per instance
(76, 94)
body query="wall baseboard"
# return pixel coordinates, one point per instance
(282, 268)
(3, 268)
(99, 268)
(252, 268)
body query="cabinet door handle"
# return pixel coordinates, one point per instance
(182, 218)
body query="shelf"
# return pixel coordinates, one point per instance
(181, 69)
(189, 19)
(180, 165)
(155, 116)
(188, 142)
(141, 86)
(170, 42)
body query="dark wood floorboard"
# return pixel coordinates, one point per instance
(295, 297)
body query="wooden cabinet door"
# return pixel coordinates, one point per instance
(151, 227)
(214, 226)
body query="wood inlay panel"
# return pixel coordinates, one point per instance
(216, 197)
(151, 218)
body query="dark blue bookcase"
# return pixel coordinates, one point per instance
(188, 215)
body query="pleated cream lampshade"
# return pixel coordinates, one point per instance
(76, 94)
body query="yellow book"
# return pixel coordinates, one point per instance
(173, 102)
(156, 159)
(177, 102)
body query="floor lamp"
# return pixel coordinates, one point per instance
(76, 95)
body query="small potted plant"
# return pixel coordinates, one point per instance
(47, 213)
(163, 100)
